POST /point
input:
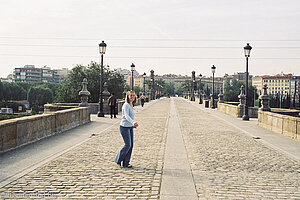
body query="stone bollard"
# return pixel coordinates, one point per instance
(105, 95)
(84, 94)
(242, 97)
(264, 98)
(220, 97)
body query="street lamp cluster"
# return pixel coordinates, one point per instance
(247, 49)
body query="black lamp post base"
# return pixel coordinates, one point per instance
(246, 117)
(100, 114)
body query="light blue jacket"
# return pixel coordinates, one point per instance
(127, 115)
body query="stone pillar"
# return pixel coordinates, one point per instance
(105, 95)
(241, 106)
(221, 97)
(84, 94)
(264, 98)
(242, 97)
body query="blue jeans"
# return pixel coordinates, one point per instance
(125, 154)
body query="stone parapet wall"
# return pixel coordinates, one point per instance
(237, 111)
(93, 106)
(229, 109)
(21, 131)
(283, 124)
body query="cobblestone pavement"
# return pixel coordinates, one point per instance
(88, 171)
(227, 164)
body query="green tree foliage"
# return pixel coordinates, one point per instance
(160, 85)
(1, 91)
(13, 91)
(38, 96)
(200, 86)
(69, 89)
(170, 89)
(184, 87)
(233, 89)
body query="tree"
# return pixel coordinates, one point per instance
(1, 91)
(170, 89)
(137, 90)
(69, 89)
(12, 91)
(39, 96)
(232, 91)
(183, 87)
(116, 83)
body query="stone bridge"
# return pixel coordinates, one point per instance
(181, 151)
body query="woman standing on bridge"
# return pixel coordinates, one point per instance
(126, 128)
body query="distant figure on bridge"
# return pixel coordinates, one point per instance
(126, 128)
(143, 99)
(112, 102)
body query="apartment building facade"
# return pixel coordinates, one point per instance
(278, 84)
(29, 73)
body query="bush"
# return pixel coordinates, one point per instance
(4, 117)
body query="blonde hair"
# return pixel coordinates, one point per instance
(127, 97)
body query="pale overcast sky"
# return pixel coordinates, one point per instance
(202, 33)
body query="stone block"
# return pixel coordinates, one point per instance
(298, 130)
(277, 123)
(289, 126)
(8, 134)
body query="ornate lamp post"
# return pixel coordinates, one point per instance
(144, 76)
(247, 50)
(132, 70)
(102, 49)
(213, 70)
(152, 85)
(193, 83)
(200, 96)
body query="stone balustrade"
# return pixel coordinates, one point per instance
(235, 110)
(93, 106)
(280, 123)
(24, 130)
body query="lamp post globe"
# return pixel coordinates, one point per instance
(102, 49)
(213, 70)
(247, 50)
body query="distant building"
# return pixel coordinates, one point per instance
(239, 76)
(295, 89)
(278, 84)
(29, 73)
(178, 80)
(8, 79)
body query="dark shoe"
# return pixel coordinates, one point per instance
(128, 166)
(115, 117)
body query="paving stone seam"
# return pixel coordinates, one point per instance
(251, 135)
(188, 158)
(46, 160)
(163, 148)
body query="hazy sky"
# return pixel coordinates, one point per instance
(168, 36)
